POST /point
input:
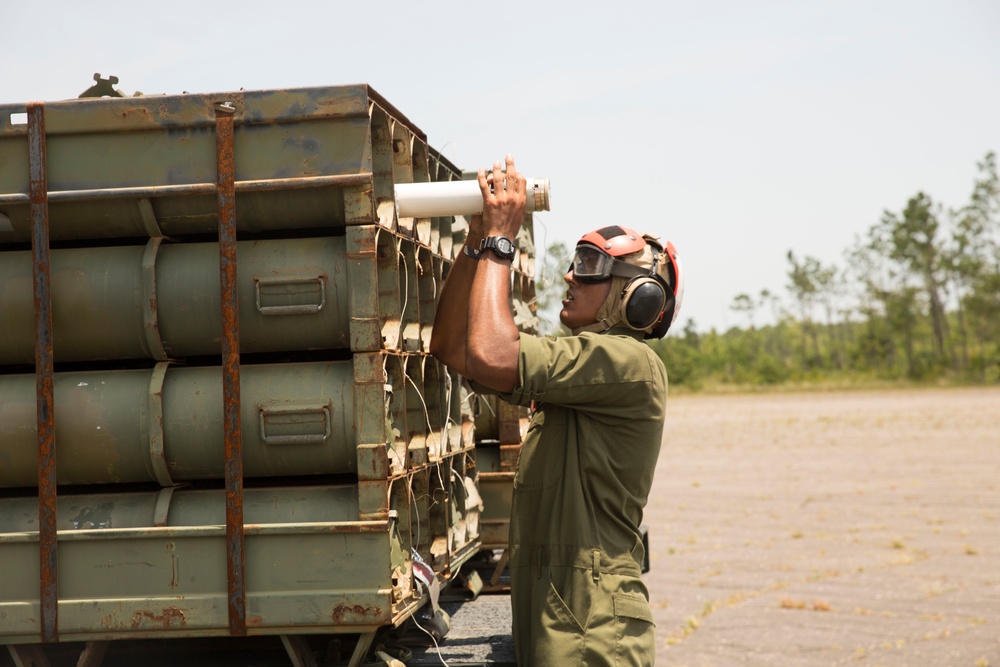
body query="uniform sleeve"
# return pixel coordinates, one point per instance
(589, 372)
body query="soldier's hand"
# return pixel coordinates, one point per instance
(503, 199)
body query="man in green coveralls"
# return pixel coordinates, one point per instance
(587, 460)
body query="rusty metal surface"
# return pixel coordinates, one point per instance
(509, 454)
(44, 373)
(178, 112)
(508, 423)
(231, 370)
(166, 581)
(496, 489)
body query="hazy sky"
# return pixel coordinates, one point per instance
(737, 129)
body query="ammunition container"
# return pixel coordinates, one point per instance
(161, 301)
(335, 297)
(165, 424)
(310, 158)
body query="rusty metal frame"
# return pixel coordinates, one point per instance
(226, 194)
(44, 373)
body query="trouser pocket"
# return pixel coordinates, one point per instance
(563, 601)
(561, 616)
(575, 618)
(635, 644)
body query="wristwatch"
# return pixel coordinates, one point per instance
(501, 246)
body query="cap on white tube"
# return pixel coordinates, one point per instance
(447, 198)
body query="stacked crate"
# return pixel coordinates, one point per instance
(285, 490)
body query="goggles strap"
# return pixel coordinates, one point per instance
(626, 270)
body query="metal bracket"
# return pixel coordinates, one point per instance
(102, 87)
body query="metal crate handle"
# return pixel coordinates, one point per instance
(292, 309)
(267, 413)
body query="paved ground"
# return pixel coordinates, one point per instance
(820, 529)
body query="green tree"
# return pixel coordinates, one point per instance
(828, 291)
(775, 337)
(804, 284)
(869, 265)
(550, 287)
(902, 318)
(681, 353)
(913, 242)
(918, 298)
(973, 258)
(742, 303)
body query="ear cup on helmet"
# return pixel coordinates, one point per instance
(643, 302)
(660, 330)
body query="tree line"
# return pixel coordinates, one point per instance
(916, 300)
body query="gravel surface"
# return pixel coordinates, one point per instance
(479, 635)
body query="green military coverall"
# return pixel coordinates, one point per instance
(582, 481)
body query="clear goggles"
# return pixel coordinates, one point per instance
(591, 265)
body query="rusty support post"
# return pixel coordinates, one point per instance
(226, 184)
(39, 210)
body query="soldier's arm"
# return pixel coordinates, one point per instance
(493, 341)
(451, 321)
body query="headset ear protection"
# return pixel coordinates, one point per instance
(652, 296)
(647, 300)
(643, 302)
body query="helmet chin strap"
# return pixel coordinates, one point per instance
(609, 314)
(597, 327)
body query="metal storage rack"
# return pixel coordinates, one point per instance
(285, 490)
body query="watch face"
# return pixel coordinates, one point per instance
(501, 245)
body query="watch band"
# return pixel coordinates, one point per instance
(472, 252)
(501, 246)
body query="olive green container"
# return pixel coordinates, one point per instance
(307, 158)
(161, 300)
(165, 424)
(154, 564)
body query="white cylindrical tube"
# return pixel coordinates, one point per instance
(445, 198)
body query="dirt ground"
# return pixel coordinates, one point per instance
(819, 529)
(811, 530)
